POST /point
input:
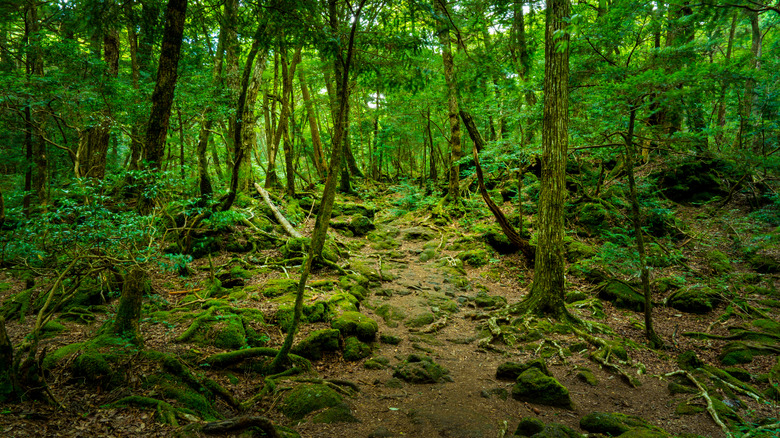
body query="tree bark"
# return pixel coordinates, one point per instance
(548, 289)
(9, 386)
(719, 136)
(329, 192)
(653, 338)
(288, 73)
(167, 75)
(128, 314)
(314, 125)
(443, 33)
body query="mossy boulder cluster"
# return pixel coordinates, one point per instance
(620, 425)
(694, 299)
(534, 383)
(535, 428)
(420, 369)
(305, 399)
(622, 294)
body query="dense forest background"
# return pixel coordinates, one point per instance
(625, 149)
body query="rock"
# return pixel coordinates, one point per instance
(689, 361)
(575, 296)
(355, 350)
(376, 363)
(356, 324)
(389, 339)
(616, 424)
(764, 263)
(529, 427)
(577, 250)
(474, 257)
(419, 233)
(587, 376)
(495, 237)
(420, 369)
(512, 370)
(279, 286)
(309, 398)
(693, 299)
(337, 414)
(485, 301)
(695, 181)
(622, 294)
(316, 343)
(360, 225)
(420, 319)
(93, 368)
(536, 387)
(718, 262)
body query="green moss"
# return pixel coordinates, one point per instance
(614, 424)
(376, 363)
(718, 262)
(588, 377)
(689, 361)
(534, 386)
(577, 250)
(93, 368)
(684, 408)
(767, 325)
(357, 324)
(305, 399)
(694, 299)
(529, 427)
(483, 300)
(343, 302)
(317, 342)
(52, 359)
(420, 369)
(622, 294)
(337, 414)
(512, 370)
(474, 257)
(355, 350)
(420, 319)
(278, 287)
(389, 339)
(390, 314)
(228, 334)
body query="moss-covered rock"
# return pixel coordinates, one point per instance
(390, 314)
(694, 299)
(622, 295)
(512, 370)
(577, 250)
(420, 369)
(764, 263)
(684, 408)
(337, 414)
(389, 339)
(93, 368)
(377, 363)
(356, 324)
(495, 237)
(718, 262)
(305, 399)
(553, 430)
(614, 424)
(474, 257)
(355, 350)
(689, 361)
(587, 376)
(419, 319)
(278, 287)
(419, 233)
(529, 427)
(534, 386)
(483, 300)
(317, 342)
(360, 225)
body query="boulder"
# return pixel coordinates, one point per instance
(536, 387)
(694, 299)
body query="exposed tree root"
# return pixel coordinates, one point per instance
(343, 386)
(704, 394)
(222, 360)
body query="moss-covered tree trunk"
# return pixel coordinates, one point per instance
(548, 289)
(329, 192)
(456, 152)
(128, 314)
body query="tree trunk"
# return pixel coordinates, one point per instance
(9, 386)
(749, 97)
(314, 125)
(548, 289)
(288, 73)
(443, 33)
(719, 136)
(128, 314)
(653, 338)
(329, 192)
(167, 75)
(204, 134)
(271, 178)
(232, 74)
(250, 119)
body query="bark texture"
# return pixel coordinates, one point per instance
(548, 289)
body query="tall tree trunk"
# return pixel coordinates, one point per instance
(719, 136)
(162, 97)
(204, 134)
(653, 338)
(37, 121)
(288, 73)
(548, 289)
(271, 178)
(314, 124)
(329, 193)
(232, 74)
(250, 119)
(433, 175)
(443, 33)
(746, 125)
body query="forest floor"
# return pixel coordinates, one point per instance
(422, 294)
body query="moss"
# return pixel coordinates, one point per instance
(93, 368)
(355, 350)
(689, 361)
(767, 325)
(575, 296)
(684, 408)
(420, 319)
(763, 263)
(588, 377)
(420, 369)
(475, 257)
(227, 334)
(390, 314)
(536, 387)
(52, 359)
(389, 339)
(357, 324)
(337, 414)
(718, 261)
(305, 399)
(614, 424)
(529, 427)
(52, 328)
(512, 370)
(376, 363)
(577, 250)
(622, 294)
(693, 299)
(495, 237)
(278, 287)
(483, 300)
(317, 342)
(343, 302)
(165, 412)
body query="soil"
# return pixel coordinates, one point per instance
(472, 404)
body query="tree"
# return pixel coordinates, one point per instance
(548, 289)
(443, 33)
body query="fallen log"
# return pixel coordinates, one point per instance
(279, 216)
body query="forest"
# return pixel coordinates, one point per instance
(390, 218)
